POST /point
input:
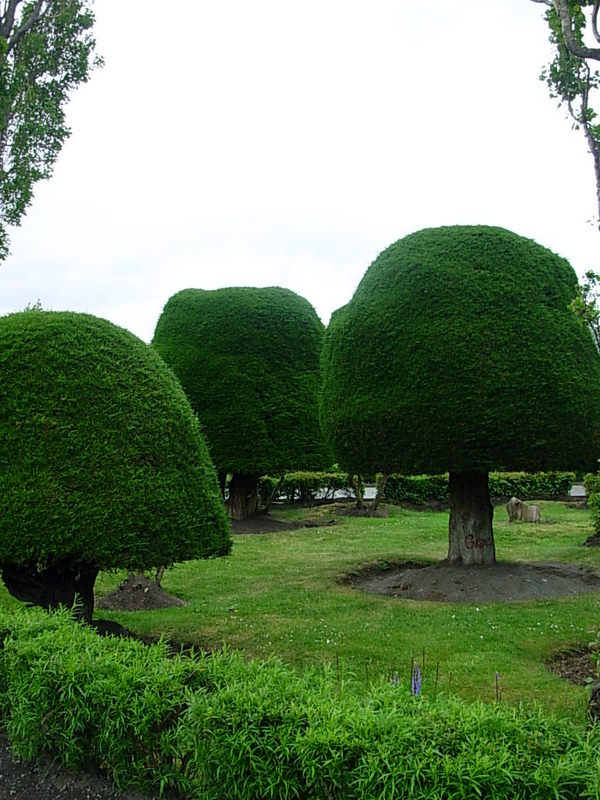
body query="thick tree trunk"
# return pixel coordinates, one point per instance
(470, 533)
(59, 585)
(243, 496)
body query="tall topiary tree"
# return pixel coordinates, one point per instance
(102, 461)
(459, 353)
(248, 360)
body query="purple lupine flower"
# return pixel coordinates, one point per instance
(416, 680)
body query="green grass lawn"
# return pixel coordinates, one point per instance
(280, 594)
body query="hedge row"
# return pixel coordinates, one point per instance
(417, 489)
(214, 726)
(420, 489)
(304, 486)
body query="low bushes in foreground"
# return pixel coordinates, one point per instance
(213, 726)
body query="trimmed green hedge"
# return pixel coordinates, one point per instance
(102, 459)
(304, 486)
(216, 726)
(458, 352)
(248, 359)
(418, 489)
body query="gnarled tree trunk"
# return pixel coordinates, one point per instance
(243, 496)
(470, 533)
(58, 585)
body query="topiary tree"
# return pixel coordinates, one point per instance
(248, 360)
(102, 461)
(459, 353)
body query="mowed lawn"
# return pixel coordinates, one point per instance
(281, 594)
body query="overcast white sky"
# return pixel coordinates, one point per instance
(238, 143)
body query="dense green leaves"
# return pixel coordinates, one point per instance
(46, 51)
(459, 352)
(101, 457)
(217, 726)
(248, 360)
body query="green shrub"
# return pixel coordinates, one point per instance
(102, 460)
(445, 359)
(248, 359)
(541, 485)
(417, 489)
(215, 726)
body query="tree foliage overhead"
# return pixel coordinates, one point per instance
(572, 76)
(459, 352)
(46, 51)
(102, 460)
(248, 359)
(585, 304)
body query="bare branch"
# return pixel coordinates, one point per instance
(592, 140)
(573, 46)
(36, 14)
(8, 18)
(595, 20)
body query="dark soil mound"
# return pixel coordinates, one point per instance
(576, 665)
(138, 593)
(381, 512)
(263, 523)
(494, 584)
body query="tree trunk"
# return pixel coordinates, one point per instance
(222, 478)
(470, 533)
(62, 584)
(380, 492)
(273, 495)
(356, 482)
(243, 496)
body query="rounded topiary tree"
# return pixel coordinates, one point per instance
(102, 461)
(458, 353)
(248, 359)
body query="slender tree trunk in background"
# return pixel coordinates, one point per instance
(273, 495)
(356, 483)
(222, 478)
(243, 496)
(470, 532)
(380, 492)
(59, 585)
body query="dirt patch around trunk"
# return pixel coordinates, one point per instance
(499, 583)
(138, 593)
(263, 523)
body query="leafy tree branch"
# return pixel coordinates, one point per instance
(585, 304)
(46, 51)
(572, 76)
